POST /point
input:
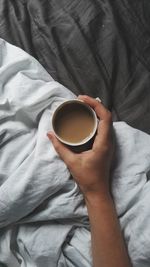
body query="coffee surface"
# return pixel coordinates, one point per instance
(73, 123)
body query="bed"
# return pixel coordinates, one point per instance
(99, 48)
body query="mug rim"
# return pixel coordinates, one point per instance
(88, 138)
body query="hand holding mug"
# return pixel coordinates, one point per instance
(91, 168)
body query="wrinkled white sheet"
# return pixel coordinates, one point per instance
(43, 219)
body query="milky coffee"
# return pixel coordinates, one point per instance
(73, 122)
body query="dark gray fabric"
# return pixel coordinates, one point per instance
(95, 47)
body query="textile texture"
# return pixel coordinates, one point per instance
(43, 217)
(99, 48)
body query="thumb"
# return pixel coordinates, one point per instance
(66, 155)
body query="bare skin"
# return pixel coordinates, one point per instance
(91, 170)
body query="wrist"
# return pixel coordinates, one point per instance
(97, 198)
(96, 190)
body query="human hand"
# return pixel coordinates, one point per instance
(91, 169)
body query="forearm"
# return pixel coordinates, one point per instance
(108, 247)
(90, 170)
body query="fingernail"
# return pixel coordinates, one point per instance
(79, 96)
(82, 95)
(98, 99)
(50, 135)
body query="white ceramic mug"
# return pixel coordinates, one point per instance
(60, 109)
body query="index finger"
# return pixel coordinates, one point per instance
(101, 111)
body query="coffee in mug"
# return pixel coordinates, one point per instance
(74, 123)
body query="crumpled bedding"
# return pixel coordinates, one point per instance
(43, 217)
